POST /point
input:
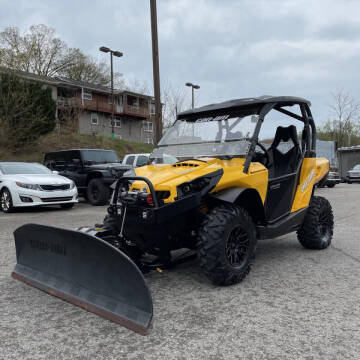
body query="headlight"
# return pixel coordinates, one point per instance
(72, 185)
(114, 172)
(28, 186)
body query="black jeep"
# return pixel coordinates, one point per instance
(92, 170)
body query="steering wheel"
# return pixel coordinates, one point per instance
(266, 153)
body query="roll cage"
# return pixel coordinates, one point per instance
(261, 106)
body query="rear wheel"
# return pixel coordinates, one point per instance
(317, 230)
(227, 243)
(6, 203)
(97, 192)
(67, 206)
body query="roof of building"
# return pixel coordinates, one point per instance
(63, 81)
(245, 102)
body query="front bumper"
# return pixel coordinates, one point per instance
(28, 198)
(332, 181)
(352, 178)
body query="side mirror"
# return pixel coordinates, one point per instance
(55, 172)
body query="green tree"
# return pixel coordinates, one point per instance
(27, 111)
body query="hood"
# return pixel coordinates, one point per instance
(51, 179)
(178, 173)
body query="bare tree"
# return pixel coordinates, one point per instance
(136, 86)
(37, 51)
(343, 123)
(175, 100)
(85, 68)
(41, 52)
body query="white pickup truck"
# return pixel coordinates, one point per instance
(136, 160)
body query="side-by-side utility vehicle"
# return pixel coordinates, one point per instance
(217, 183)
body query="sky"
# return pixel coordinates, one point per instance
(231, 48)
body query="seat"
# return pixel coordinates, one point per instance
(283, 163)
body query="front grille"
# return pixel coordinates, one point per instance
(55, 187)
(54, 199)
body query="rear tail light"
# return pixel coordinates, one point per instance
(149, 200)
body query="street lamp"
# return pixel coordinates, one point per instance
(117, 54)
(193, 86)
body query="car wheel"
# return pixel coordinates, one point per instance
(67, 206)
(317, 229)
(6, 203)
(330, 185)
(226, 246)
(97, 192)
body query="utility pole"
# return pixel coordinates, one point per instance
(156, 72)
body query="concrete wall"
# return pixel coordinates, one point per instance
(131, 128)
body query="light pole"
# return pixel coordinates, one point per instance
(193, 86)
(117, 54)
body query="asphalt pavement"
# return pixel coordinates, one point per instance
(294, 304)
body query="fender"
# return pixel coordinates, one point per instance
(229, 195)
(246, 197)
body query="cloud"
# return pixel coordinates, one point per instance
(233, 48)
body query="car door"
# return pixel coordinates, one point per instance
(74, 168)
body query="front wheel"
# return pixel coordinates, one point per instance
(97, 192)
(227, 243)
(331, 185)
(6, 203)
(317, 229)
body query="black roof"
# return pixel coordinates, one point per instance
(255, 102)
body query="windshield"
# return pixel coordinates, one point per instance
(100, 156)
(356, 167)
(212, 136)
(24, 169)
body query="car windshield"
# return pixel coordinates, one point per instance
(99, 156)
(24, 169)
(356, 167)
(212, 136)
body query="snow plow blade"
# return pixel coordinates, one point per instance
(83, 270)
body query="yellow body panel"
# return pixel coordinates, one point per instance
(168, 177)
(312, 171)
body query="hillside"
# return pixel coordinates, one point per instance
(54, 141)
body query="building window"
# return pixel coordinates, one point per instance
(117, 123)
(149, 141)
(152, 109)
(94, 119)
(86, 95)
(148, 126)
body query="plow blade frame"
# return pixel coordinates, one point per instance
(86, 271)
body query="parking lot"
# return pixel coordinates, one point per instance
(295, 303)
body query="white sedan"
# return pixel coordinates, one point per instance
(31, 184)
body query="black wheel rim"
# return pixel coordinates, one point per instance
(324, 225)
(95, 192)
(237, 246)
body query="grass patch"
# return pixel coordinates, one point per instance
(55, 141)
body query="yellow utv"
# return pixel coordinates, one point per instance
(221, 178)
